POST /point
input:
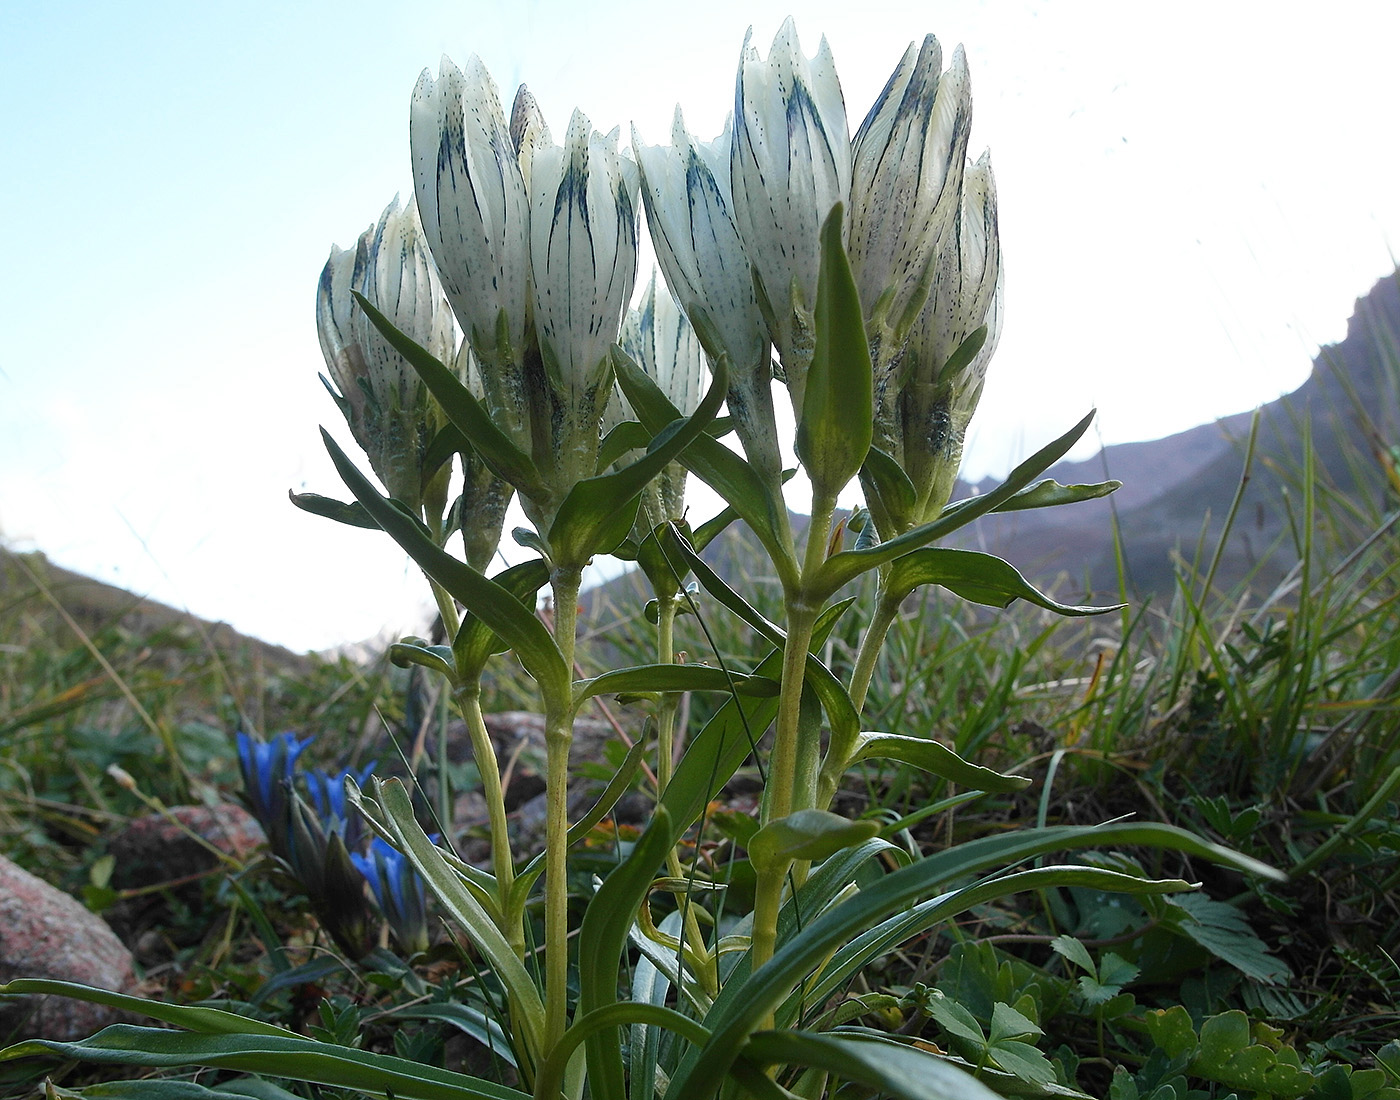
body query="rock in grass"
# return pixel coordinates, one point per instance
(165, 851)
(45, 933)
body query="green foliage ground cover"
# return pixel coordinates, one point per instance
(1264, 721)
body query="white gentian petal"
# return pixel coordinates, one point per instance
(966, 278)
(528, 130)
(388, 408)
(907, 174)
(789, 165)
(583, 251)
(690, 214)
(473, 203)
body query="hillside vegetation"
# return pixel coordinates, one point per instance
(1249, 692)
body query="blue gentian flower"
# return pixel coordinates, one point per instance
(327, 791)
(268, 769)
(399, 891)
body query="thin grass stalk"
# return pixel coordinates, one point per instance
(666, 711)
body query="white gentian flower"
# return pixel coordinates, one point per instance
(387, 406)
(660, 339)
(583, 258)
(790, 164)
(907, 174)
(690, 213)
(473, 204)
(662, 342)
(686, 188)
(966, 276)
(938, 402)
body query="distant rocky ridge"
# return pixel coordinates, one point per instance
(1179, 487)
(32, 584)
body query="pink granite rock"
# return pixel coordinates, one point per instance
(45, 933)
(155, 849)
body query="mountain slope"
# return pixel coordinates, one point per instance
(1177, 489)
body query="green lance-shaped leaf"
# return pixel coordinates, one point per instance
(595, 507)
(975, 576)
(935, 758)
(887, 488)
(834, 432)
(672, 677)
(901, 1071)
(839, 569)
(1050, 494)
(391, 815)
(884, 936)
(206, 1021)
(243, 1088)
(497, 607)
(353, 515)
(733, 1017)
(437, 658)
(502, 457)
(708, 531)
(711, 461)
(807, 834)
(475, 641)
(288, 1056)
(448, 441)
(606, 1020)
(627, 436)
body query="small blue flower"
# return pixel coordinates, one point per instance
(327, 791)
(268, 768)
(399, 891)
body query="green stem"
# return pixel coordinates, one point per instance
(451, 623)
(468, 700)
(782, 775)
(838, 755)
(559, 734)
(782, 762)
(868, 656)
(782, 795)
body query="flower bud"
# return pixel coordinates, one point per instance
(907, 174)
(789, 165)
(583, 258)
(945, 376)
(268, 768)
(473, 205)
(686, 188)
(662, 342)
(399, 891)
(386, 405)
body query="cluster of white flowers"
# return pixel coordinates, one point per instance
(535, 247)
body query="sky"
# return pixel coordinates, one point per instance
(1192, 196)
